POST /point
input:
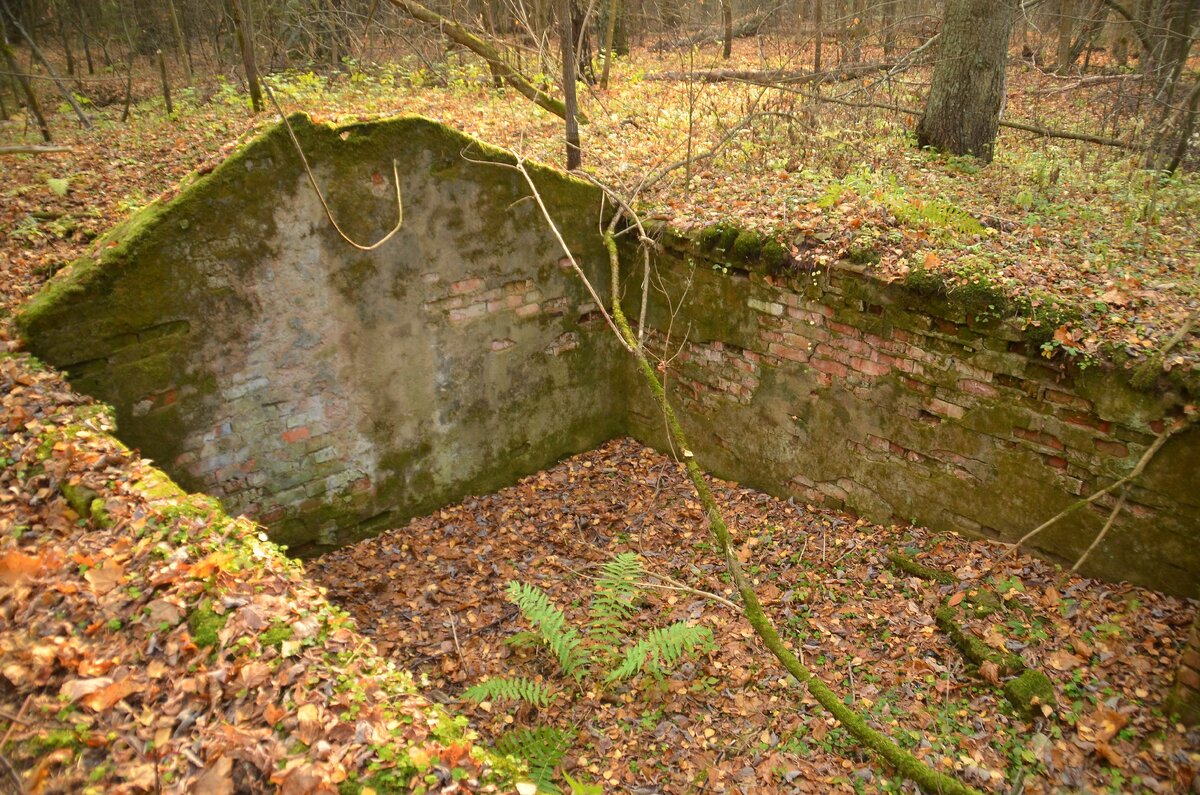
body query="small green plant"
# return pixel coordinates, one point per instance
(602, 649)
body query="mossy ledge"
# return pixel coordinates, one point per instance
(980, 298)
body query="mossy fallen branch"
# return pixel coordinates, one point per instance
(909, 566)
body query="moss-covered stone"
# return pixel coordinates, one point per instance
(1029, 692)
(973, 649)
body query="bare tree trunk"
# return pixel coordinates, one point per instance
(166, 84)
(727, 22)
(1187, 128)
(245, 34)
(818, 33)
(181, 45)
(966, 97)
(1064, 60)
(570, 100)
(81, 24)
(58, 83)
(31, 99)
(609, 30)
(889, 28)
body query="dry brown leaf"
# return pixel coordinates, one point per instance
(990, 671)
(217, 778)
(956, 598)
(105, 577)
(104, 698)
(16, 566)
(309, 723)
(1063, 660)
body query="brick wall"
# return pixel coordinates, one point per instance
(841, 390)
(329, 392)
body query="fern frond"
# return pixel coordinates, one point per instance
(541, 747)
(511, 688)
(550, 624)
(613, 600)
(660, 650)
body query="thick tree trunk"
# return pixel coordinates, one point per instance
(1063, 59)
(570, 101)
(966, 97)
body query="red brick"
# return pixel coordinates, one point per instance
(842, 328)
(1038, 437)
(869, 367)
(917, 386)
(1158, 426)
(877, 442)
(1112, 448)
(1088, 421)
(946, 409)
(1067, 399)
(830, 367)
(854, 346)
(945, 326)
(824, 379)
(169, 397)
(895, 448)
(973, 387)
(785, 352)
(466, 286)
(296, 434)
(1056, 462)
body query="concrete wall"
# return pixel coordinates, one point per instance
(327, 391)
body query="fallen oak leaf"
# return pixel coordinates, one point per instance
(16, 566)
(104, 698)
(105, 577)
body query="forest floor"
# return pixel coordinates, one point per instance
(1052, 220)
(432, 595)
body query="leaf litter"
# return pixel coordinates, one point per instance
(431, 595)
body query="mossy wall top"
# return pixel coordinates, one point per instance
(326, 390)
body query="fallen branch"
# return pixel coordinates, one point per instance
(907, 764)
(460, 35)
(776, 76)
(1116, 484)
(1012, 125)
(32, 149)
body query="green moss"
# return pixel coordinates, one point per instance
(863, 254)
(79, 497)
(276, 635)
(973, 649)
(205, 625)
(53, 740)
(909, 566)
(925, 282)
(747, 246)
(1028, 692)
(98, 510)
(775, 256)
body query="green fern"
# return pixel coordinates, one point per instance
(541, 747)
(550, 624)
(512, 688)
(660, 650)
(614, 601)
